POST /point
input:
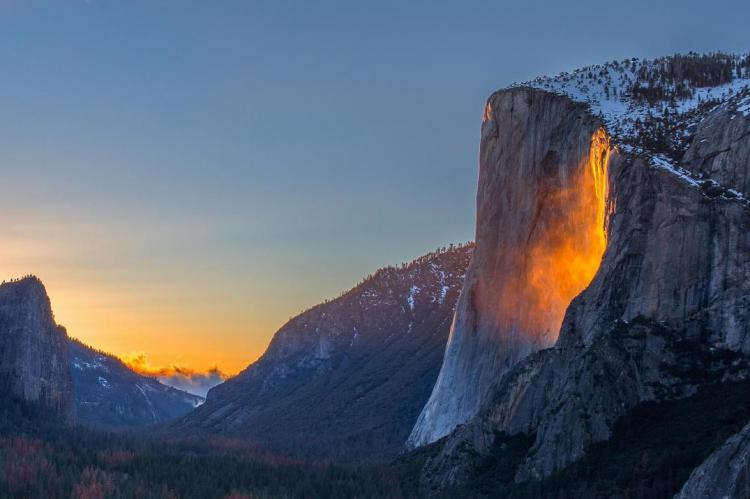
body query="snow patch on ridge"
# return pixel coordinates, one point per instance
(413, 292)
(744, 106)
(659, 161)
(608, 91)
(606, 88)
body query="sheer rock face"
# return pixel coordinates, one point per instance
(666, 312)
(33, 349)
(721, 149)
(533, 146)
(725, 474)
(346, 379)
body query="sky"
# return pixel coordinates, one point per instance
(184, 176)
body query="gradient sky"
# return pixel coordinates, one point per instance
(185, 176)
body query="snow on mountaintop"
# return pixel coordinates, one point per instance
(653, 105)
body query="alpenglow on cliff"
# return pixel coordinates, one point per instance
(612, 260)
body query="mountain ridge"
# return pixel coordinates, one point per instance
(41, 364)
(346, 378)
(109, 394)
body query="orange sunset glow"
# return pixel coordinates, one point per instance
(374, 250)
(196, 308)
(164, 313)
(566, 252)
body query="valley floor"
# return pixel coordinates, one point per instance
(650, 455)
(39, 458)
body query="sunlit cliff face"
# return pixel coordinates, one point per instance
(564, 249)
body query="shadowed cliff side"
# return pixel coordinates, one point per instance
(33, 349)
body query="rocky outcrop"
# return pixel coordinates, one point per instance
(346, 379)
(40, 364)
(667, 311)
(110, 395)
(725, 474)
(33, 349)
(720, 149)
(539, 238)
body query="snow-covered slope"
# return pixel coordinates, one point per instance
(655, 106)
(347, 378)
(109, 394)
(635, 94)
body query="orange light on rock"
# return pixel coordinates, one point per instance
(564, 252)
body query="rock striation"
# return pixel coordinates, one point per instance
(33, 349)
(539, 239)
(668, 308)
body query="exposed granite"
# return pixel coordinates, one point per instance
(725, 474)
(33, 349)
(533, 148)
(672, 293)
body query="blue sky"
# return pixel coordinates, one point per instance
(197, 172)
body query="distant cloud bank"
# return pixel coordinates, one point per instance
(194, 382)
(180, 377)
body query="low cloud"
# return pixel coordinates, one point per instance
(180, 377)
(194, 382)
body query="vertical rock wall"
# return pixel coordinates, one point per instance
(667, 311)
(539, 241)
(33, 349)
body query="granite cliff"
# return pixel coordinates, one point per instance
(540, 236)
(33, 349)
(41, 365)
(666, 311)
(725, 474)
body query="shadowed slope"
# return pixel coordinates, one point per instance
(347, 378)
(109, 394)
